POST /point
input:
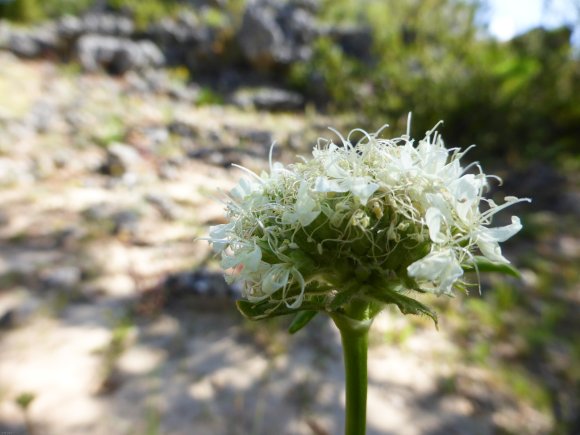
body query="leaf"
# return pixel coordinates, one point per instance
(482, 264)
(301, 320)
(406, 304)
(266, 309)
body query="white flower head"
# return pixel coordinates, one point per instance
(363, 214)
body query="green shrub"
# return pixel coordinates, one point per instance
(22, 11)
(516, 100)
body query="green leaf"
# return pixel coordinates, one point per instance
(266, 309)
(406, 304)
(482, 264)
(301, 320)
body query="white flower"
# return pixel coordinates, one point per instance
(358, 214)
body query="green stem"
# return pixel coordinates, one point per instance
(354, 334)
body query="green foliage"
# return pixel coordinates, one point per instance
(516, 99)
(23, 11)
(301, 320)
(482, 264)
(332, 68)
(57, 8)
(209, 97)
(146, 11)
(24, 400)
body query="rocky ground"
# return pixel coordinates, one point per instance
(113, 318)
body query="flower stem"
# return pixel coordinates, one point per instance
(354, 334)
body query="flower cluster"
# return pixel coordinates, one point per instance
(372, 214)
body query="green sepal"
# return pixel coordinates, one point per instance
(301, 320)
(266, 309)
(406, 304)
(340, 299)
(482, 264)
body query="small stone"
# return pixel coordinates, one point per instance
(121, 159)
(8, 320)
(165, 205)
(268, 99)
(200, 282)
(61, 278)
(117, 55)
(125, 223)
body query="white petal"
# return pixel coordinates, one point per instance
(491, 250)
(218, 236)
(253, 258)
(306, 208)
(335, 171)
(361, 188)
(433, 218)
(501, 234)
(244, 188)
(439, 267)
(250, 259)
(466, 188)
(323, 184)
(487, 239)
(275, 279)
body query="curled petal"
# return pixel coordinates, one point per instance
(324, 184)
(361, 188)
(487, 239)
(433, 218)
(218, 236)
(439, 267)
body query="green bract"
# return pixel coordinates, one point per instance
(376, 220)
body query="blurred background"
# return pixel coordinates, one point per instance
(119, 122)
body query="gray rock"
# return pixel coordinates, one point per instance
(23, 44)
(252, 135)
(268, 98)
(61, 278)
(223, 156)
(187, 94)
(184, 129)
(298, 24)
(121, 159)
(117, 55)
(43, 116)
(187, 40)
(8, 320)
(108, 24)
(126, 223)
(261, 38)
(41, 41)
(199, 283)
(32, 42)
(165, 205)
(176, 36)
(71, 27)
(274, 32)
(168, 171)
